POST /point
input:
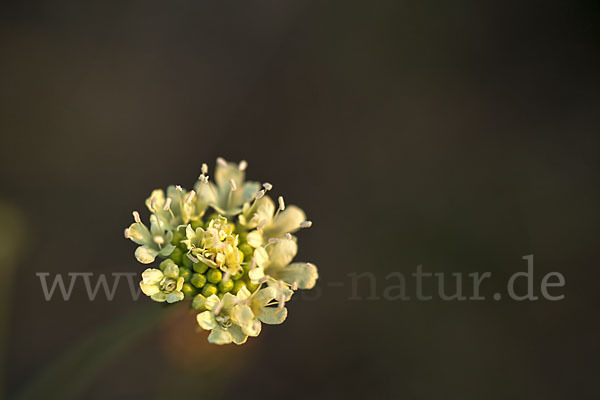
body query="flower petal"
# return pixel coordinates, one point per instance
(158, 198)
(272, 315)
(264, 296)
(149, 290)
(172, 271)
(256, 274)
(139, 234)
(305, 275)
(152, 276)
(145, 254)
(282, 252)
(243, 316)
(167, 248)
(206, 320)
(159, 297)
(219, 336)
(174, 297)
(211, 302)
(243, 293)
(255, 239)
(238, 336)
(261, 257)
(288, 220)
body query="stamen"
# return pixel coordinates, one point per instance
(218, 308)
(204, 169)
(261, 224)
(295, 286)
(226, 276)
(136, 217)
(259, 194)
(233, 185)
(153, 204)
(189, 197)
(267, 186)
(274, 240)
(281, 301)
(167, 205)
(306, 224)
(288, 236)
(221, 161)
(281, 203)
(194, 259)
(203, 178)
(159, 240)
(243, 165)
(127, 236)
(178, 188)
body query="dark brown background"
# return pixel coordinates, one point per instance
(457, 135)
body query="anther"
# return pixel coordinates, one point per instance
(153, 204)
(261, 224)
(281, 203)
(288, 236)
(221, 161)
(136, 217)
(127, 236)
(274, 240)
(178, 188)
(204, 169)
(267, 186)
(259, 194)
(243, 165)
(306, 224)
(233, 185)
(158, 240)
(167, 205)
(295, 286)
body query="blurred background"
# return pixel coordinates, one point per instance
(457, 135)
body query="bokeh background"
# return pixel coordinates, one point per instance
(457, 135)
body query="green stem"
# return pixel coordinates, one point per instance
(76, 368)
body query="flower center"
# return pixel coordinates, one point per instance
(223, 321)
(168, 285)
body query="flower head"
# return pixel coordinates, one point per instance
(227, 246)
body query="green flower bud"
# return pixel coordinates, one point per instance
(176, 256)
(214, 276)
(246, 250)
(238, 275)
(208, 290)
(188, 290)
(238, 285)
(211, 217)
(198, 280)
(196, 224)
(178, 236)
(252, 286)
(226, 286)
(198, 303)
(186, 261)
(200, 268)
(186, 273)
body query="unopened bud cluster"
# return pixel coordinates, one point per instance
(227, 248)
